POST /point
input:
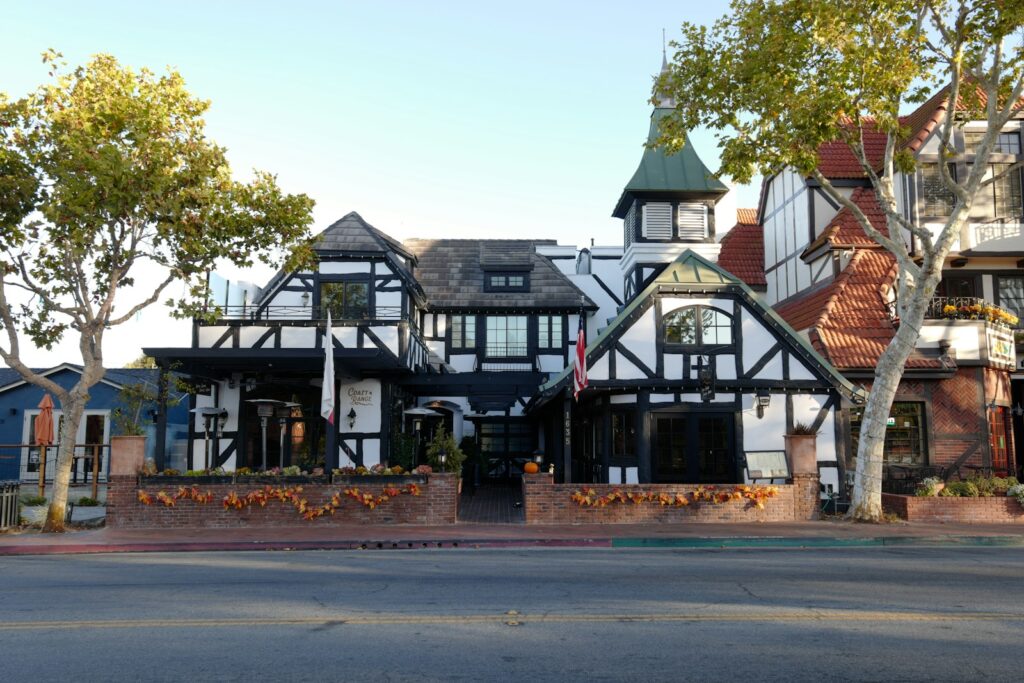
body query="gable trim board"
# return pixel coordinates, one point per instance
(57, 368)
(692, 274)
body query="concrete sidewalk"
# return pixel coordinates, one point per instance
(829, 533)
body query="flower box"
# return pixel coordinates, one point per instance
(380, 479)
(182, 480)
(274, 480)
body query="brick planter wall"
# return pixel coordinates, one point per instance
(994, 510)
(548, 503)
(436, 504)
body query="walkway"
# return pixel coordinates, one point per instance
(492, 505)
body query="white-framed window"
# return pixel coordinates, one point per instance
(94, 430)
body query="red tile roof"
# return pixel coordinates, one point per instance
(836, 160)
(742, 251)
(845, 231)
(746, 216)
(848, 320)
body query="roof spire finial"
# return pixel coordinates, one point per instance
(665, 101)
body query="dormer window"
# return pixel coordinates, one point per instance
(506, 282)
(346, 300)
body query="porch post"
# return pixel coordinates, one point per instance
(567, 438)
(643, 435)
(160, 452)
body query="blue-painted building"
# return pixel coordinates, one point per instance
(19, 403)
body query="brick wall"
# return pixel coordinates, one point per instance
(995, 510)
(436, 504)
(548, 503)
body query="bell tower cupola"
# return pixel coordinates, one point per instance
(668, 205)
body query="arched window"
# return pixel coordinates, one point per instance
(698, 326)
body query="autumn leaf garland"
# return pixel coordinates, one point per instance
(757, 495)
(291, 495)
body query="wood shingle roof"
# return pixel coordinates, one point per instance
(452, 272)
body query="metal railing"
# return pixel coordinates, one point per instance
(967, 308)
(86, 460)
(9, 493)
(271, 313)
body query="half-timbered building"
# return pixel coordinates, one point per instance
(690, 371)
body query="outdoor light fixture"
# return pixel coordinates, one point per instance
(442, 456)
(213, 420)
(1018, 410)
(305, 299)
(761, 401)
(351, 418)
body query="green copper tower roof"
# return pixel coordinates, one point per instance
(679, 175)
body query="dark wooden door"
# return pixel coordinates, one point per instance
(694, 448)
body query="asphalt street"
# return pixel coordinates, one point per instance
(860, 614)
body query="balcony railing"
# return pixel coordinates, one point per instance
(270, 313)
(969, 308)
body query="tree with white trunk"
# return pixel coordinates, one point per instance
(110, 192)
(777, 79)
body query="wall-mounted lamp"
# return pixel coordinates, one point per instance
(351, 418)
(761, 401)
(305, 299)
(441, 457)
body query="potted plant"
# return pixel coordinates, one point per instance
(801, 450)
(444, 455)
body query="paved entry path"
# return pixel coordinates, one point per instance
(492, 505)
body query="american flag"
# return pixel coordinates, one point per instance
(579, 363)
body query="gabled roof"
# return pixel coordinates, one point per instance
(845, 231)
(848, 319)
(451, 272)
(353, 234)
(659, 172)
(116, 378)
(692, 269)
(742, 252)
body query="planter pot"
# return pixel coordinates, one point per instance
(802, 453)
(380, 479)
(181, 480)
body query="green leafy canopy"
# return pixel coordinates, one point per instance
(106, 171)
(776, 79)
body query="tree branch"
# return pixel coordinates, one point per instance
(146, 302)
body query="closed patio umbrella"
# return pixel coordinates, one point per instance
(44, 436)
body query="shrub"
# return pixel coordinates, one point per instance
(1016, 491)
(992, 486)
(30, 501)
(87, 502)
(928, 487)
(445, 442)
(960, 489)
(291, 471)
(171, 472)
(802, 429)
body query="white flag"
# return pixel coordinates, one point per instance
(327, 392)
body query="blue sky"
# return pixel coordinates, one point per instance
(430, 119)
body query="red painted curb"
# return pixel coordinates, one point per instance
(231, 546)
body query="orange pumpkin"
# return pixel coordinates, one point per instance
(531, 468)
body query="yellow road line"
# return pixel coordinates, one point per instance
(515, 619)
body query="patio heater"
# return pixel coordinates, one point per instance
(212, 417)
(284, 411)
(266, 408)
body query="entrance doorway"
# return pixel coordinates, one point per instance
(694, 448)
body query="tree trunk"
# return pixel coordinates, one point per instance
(866, 501)
(73, 410)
